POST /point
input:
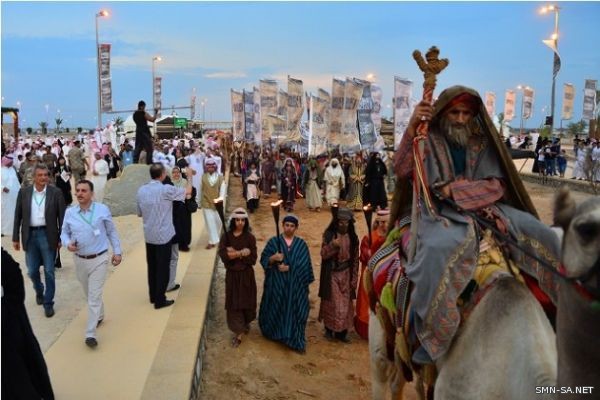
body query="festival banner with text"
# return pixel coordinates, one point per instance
(509, 105)
(317, 126)
(490, 103)
(237, 114)
(282, 104)
(105, 78)
(366, 127)
(249, 116)
(568, 100)
(268, 104)
(257, 121)
(295, 108)
(277, 128)
(158, 93)
(527, 102)
(352, 94)
(402, 107)
(337, 111)
(377, 95)
(589, 99)
(326, 97)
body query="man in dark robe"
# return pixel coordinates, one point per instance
(24, 371)
(288, 273)
(466, 162)
(267, 171)
(339, 275)
(375, 193)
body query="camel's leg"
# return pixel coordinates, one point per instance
(380, 366)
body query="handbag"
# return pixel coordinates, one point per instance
(191, 205)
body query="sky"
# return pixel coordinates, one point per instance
(48, 51)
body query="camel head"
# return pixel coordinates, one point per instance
(581, 226)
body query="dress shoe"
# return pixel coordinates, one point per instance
(174, 288)
(166, 304)
(49, 312)
(184, 248)
(39, 299)
(91, 342)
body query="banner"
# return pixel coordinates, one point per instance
(105, 78)
(377, 95)
(158, 93)
(527, 102)
(282, 104)
(509, 105)
(257, 121)
(277, 128)
(337, 111)
(402, 107)
(326, 97)
(352, 94)
(490, 103)
(589, 99)
(193, 107)
(268, 104)
(366, 127)
(556, 65)
(317, 126)
(295, 108)
(237, 113)
(568, 99)
(249, 116)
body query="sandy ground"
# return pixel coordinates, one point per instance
(261, 369)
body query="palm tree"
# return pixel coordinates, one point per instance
(59, 122)
(44, 126)
(119, 123)
(29, 130)
(501, 121)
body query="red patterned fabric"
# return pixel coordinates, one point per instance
(474, 195)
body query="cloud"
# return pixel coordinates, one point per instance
(226, 75)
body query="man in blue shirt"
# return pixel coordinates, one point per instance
(87, 230)
(155, 206)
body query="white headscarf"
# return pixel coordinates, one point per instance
(335, 172)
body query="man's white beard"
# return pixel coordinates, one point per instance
(457, 134)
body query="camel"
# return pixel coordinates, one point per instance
(504, 350)
(578, 317)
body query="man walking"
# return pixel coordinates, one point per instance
(38, 220)
(155, 206)
(77, 162)
(213, 187)
(87, 229)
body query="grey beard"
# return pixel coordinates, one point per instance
(457, 134)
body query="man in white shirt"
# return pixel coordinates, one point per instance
(87, 230)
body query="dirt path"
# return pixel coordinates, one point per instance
(261, 369)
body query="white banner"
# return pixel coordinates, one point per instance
(337, 111)
(268, 104)
(352, 95)
(193, 107)
(282, 104)
(589, 99)
(318, 127)
(257, 121)
(158, 93)
(568, 100)
(377, 95)
(237, 113)
(295, 108)
(249, 116)
(402, 107)
(490, 103)
(105, 78)
(509, 105)
(277, 128)
(527, 102)
(366, 127)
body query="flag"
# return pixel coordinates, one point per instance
(257, 121)
(249, 116)
(352, 94)
(402, 107)
(337, 110)
(295, 109)
(490, 103)
(377, 95)
(277, 127)
(268, 104)
(366, 127)
(527, 103)
(105, 78)
(568, 99)
(589, 99)
(317, 126)
(237, 112)
(553, 46)
(509, 105)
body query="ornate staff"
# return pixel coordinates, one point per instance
(218, 202)
(368, 210)
(431, 68)
(275, 209)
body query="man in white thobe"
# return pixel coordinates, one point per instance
(100, 176)
(213, 187)
(10, 190)
(196, 161)
(334, 181)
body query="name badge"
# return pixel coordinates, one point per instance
(96, 232)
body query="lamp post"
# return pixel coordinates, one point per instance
(102, 13)
(154, 59)
(522, 89)
(554, 41)
(203, 104)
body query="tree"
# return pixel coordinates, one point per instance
(79, 129)
(119, 123)
(576, 128)
(501, 122)
(59, 122)
(29, 130)
(44, 126)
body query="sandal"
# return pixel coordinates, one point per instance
(235, 342)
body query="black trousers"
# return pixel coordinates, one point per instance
(145, 144)
(158, 257)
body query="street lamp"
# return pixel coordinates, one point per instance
(154, 59)
(102, 13)
(554, 46)
(203, 104)
(522, 89)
